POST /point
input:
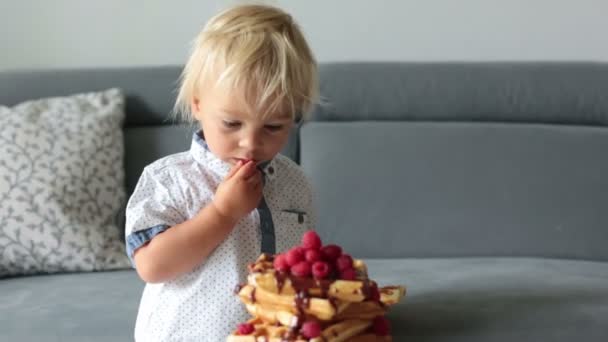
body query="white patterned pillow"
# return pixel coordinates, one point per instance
(61, 184)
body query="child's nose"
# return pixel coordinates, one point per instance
(251, 141)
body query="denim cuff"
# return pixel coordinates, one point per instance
(140, 237)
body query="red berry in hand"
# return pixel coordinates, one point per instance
(301, 269)
(348, 274)
(294, 256)
(331, 252)
(345, 261)
(280, 263)
(381, 326)
(312, 255)
(245, 329)
(320, 269)
(311, 240)
(311, 329)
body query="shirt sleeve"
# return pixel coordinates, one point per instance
(151, 209)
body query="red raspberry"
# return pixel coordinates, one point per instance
(294, 256)
(348, 274)
(311, 329)
(320, 269)
(245, 329)
(312, 255)
(301, 269)
(331, 252)
(280, 263)
(381, 326)
(345, 261)
(311, 240)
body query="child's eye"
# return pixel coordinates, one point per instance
(231, 124)
(274, 128)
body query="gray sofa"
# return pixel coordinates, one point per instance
(482, 187)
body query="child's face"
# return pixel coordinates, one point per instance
(233, 134)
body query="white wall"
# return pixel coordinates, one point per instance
(85, 33)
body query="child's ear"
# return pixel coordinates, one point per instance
(195, 106)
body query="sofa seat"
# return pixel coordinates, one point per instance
(448, 299)
(497, 299)
(100, 306)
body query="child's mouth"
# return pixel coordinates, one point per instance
(245, 160)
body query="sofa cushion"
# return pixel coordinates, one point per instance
(457, 299)
(97, 306)
(526, 92)
(399, 189)
(149, 91)
(62, 184)
(497, 299)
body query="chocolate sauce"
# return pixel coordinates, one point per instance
(302, 302)
(324, 286)
(334, 303)
(280, 277)
(302, 284)
(367, 293)
(290, 335)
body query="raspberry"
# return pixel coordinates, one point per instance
(280, 263)
(245, 328)
(331, 252)
(301, 269)
(320, 269)
(311, 329)
(294, 256)
(381, 326)
(312, 255)
(311, 240)
(345, 261)
(348, 274)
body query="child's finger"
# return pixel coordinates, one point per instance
(246, 170)
(257, 186)
(255, 178)
(256, 173)
(234, 169)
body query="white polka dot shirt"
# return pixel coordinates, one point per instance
(201, 305)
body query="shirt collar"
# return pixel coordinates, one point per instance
(201, 153)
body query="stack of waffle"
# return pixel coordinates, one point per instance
(293, 297)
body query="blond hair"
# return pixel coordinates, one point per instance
(260, 52)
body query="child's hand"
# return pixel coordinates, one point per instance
(240, 192)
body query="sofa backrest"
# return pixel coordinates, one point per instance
(462, 159)
(416, 160)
